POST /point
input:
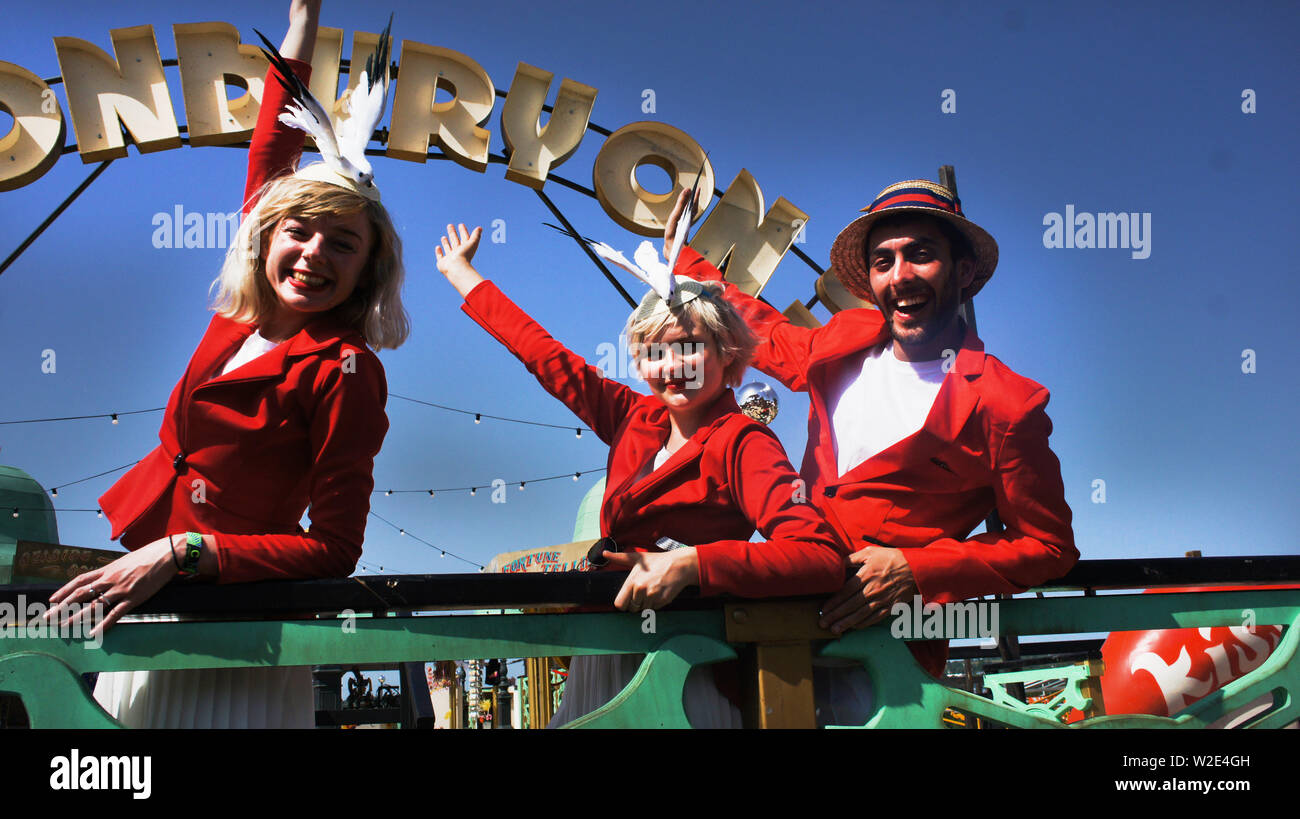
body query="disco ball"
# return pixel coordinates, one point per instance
(758, 401)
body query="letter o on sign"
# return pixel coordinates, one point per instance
(32, 145)
(641, 143)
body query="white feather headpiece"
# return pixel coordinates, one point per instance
(343, 151)
(647, 267)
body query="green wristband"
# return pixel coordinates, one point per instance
(193, 551)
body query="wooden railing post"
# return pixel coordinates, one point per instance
(780, 685)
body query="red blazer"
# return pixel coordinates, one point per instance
(730, 477)
(244, 454)
(983, 447)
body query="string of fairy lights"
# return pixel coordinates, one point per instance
(443, 552)
(476, 414)
(491, 485)
(402, 531)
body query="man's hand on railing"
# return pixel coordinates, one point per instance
(882, 579)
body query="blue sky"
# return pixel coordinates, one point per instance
(1108, 108)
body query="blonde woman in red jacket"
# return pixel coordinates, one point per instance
(280, 407)
(684, 464)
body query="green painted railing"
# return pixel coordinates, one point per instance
(45, 672)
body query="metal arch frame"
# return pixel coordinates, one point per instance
(380, 136)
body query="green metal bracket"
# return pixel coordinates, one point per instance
(1057, 707)
(52, 693)
(907, 697)
(653, 698)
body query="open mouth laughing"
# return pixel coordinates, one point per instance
(911, 304)
(307, 281)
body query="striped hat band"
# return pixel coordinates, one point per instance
(912, 195)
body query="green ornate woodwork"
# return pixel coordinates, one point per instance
(653, 698)
(45, 671)
(1072, 696)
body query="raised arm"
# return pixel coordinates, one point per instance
(275, 147)
(783, 348)
(602, 403)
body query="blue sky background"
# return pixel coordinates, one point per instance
(1108, 106)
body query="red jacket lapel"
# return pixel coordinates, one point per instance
(953, 404)
(628, 494)
(224, 339)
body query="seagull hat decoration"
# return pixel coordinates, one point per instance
(343, 152)
(673, 291)
(647, 266)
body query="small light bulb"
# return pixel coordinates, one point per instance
(401, 531)
(577, 433)
(389, 492)
(54, 492)
(477, 418)
(115, 417)
(472, 490)
(576, 475)
(521, 486)
(99, 513)
(431, 493)
(15, 513)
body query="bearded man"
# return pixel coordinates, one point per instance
(915, 434)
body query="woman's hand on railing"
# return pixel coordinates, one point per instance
(654, 578)
(110, 592)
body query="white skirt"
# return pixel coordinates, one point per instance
(596, 679)
(210, 698)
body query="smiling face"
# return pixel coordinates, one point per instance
(683, 368)
(313, 264)
(917, 287)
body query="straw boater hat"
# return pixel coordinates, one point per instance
(915, 196)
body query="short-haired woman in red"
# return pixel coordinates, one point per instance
(686, 466)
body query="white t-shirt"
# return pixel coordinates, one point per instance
(881, 404)
(661, 457)
(253, 347)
